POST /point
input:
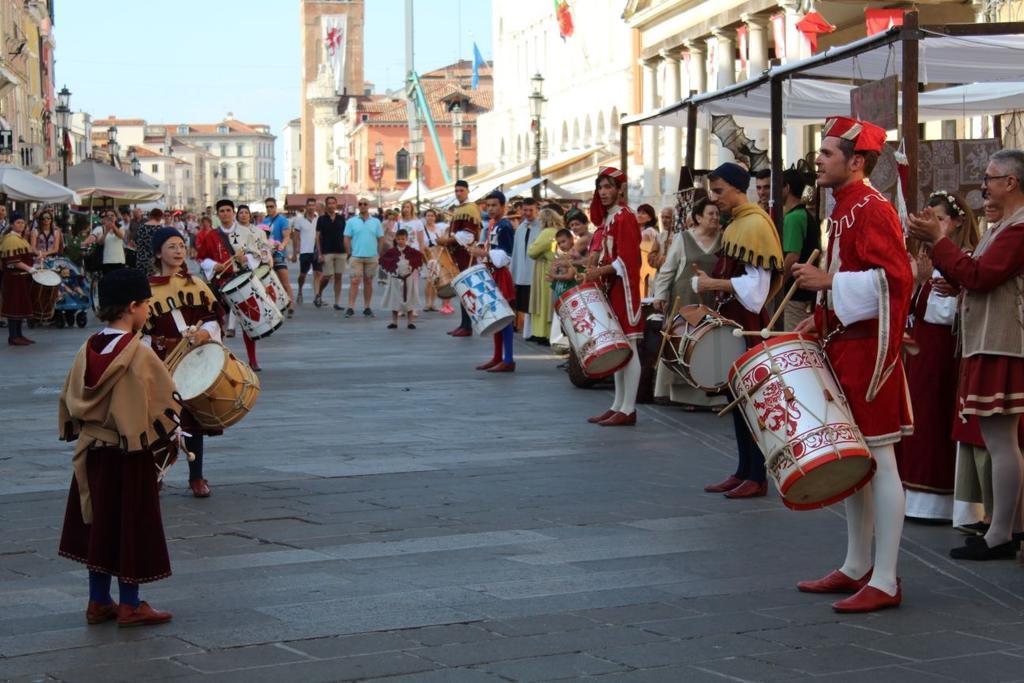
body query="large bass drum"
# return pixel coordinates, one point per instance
(593, 331)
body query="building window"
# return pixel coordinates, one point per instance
(154, 168)
(223, 130)
(224, 190)
(241, 189)
(467, 137)
(224, 171)
(183, 130)
(240, 148)
(241, 171)
(402, 165)
(468, 171)
(223, 149)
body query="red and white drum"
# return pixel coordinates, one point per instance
(272, 284)
(800, 419)
(593, 331)
(701, 347)
(486, 307)
(249, 301)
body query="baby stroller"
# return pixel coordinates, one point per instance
(75, 299)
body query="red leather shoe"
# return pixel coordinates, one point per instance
(834, 582)
(462, 333)
(619, 420)
(98, 612)
(723, 486)
(143, 615)
(748, 489)
(503, 367)
(18, 341)
(489, 364)
(30, 341)
(599, 418)
(869, 599)
(200, 489)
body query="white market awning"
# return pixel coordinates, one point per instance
(20, 185)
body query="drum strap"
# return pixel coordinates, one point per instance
(179, 320)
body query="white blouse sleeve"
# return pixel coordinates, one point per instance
(855, 296)
(499, 258)
(752, 287)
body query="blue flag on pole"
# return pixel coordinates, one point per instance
(478, 61)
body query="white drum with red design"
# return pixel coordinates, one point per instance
(249, 301)
(486, 307)
(593, 331)
(800, 419)
(272, 285)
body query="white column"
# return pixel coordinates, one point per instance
(673, 135)
(699, 84)
(650, 133)
(757, 62)
(725, 62)
(793, 136)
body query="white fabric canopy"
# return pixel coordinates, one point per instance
(410, 192)
(20, 185)
(92, 179)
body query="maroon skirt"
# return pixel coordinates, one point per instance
(991, 385)
(17, 300)
(126, 537)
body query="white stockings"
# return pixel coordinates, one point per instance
(627, 382)
(1000, 434)
(876, 511)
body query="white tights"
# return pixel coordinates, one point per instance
(627, 381)
(876, 510)
(1000, 434)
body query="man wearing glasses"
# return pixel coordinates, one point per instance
(364, 236)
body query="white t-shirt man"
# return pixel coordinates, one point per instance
(306, 228)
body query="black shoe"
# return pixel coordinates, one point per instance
(392, 326)
(349, 313)
(979, 550)
(411, 326)
(317, 301)
(976, 529)
(340, 308)
(367, 312)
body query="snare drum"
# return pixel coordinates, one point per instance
(446, 272)
(45, 291)
(217, 388)
(701, 347)
(272, 285)
(593, 330)
(258, 314)
(800, 419)
(485, 305)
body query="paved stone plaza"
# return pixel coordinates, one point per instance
(388, 513)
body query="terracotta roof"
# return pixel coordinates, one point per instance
(114, 121)
(437, 92)
(211, 128)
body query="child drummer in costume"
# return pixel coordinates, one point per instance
(497, 254)
(228, 251)
(120, 406)
(617, 268)
(402, 294)
(183, 306)
(748, 272)
(860, 317)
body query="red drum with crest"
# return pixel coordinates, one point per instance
(800, 419)
(593, 331)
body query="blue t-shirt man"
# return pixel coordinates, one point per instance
(364, 233)
(280, 232)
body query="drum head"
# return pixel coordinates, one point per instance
(713, 356)
(262, 271)
(608, 362)
(829, 482)
(199, 369)
(46, 278)
(236, 282)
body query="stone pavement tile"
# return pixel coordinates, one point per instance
(1007, 633)
(450, 634)
(552, 667)
(820, 635)
(748, 669)
(542, 623)
(940, 645)
(641, 613)
(551, 604)
(519, 647)
(146, 647)
(460, 675)
(668, 652)
(885, 674)
(697, 626)
(578, 583)
(994, 666)
(68, 638)
(128, 670)
(433, 544)
(659, 674)
(831, 659)
(240, 658)
(346, 646)
(357, 668)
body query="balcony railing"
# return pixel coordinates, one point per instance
(32, 156)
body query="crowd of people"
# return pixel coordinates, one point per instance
(918, 320)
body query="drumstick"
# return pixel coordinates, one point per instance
(764, 333)
(700, 298)
(790, 293)
(664, 333)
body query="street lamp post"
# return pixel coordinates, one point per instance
(114, 147)
(457, 135)
(136, 165)
(63, 111)
(537, 113)
(378, 163)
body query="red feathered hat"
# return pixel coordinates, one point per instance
(596, 207)
(866, 137)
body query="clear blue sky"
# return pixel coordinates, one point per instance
(196, 60)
